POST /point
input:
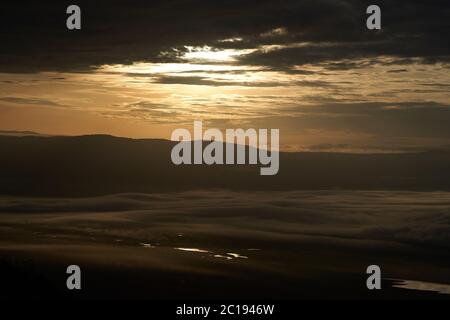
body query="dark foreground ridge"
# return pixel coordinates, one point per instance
(96, 165)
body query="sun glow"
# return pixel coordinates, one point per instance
(207, 53)
(141, 68)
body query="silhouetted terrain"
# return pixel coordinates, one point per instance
(96, 165)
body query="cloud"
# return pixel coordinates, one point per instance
(147, 110)
(401, 119)
(328, 146)
(202, 81)
(397, 71)
(114, 32)
(350, 217)
(30, 101)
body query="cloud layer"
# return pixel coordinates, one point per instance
(122, 32)
(354, 218)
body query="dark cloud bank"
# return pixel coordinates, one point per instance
(34, 37)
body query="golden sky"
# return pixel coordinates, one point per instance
(315, 107)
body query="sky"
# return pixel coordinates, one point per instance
(312, 69)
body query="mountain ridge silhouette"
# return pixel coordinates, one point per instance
(74, 166)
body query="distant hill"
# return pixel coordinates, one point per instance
(95, 165)
(21, 133)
